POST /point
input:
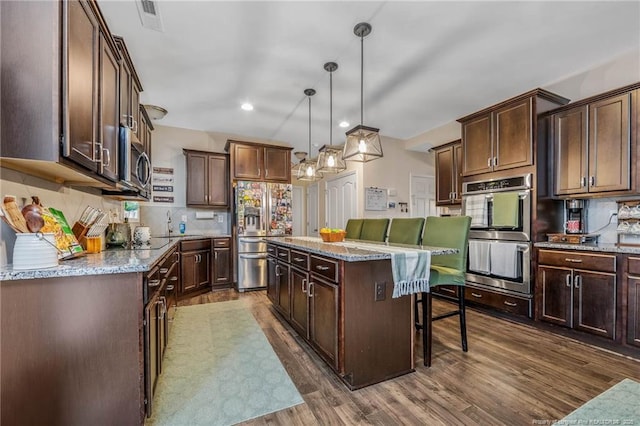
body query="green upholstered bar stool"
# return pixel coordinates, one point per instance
(353, 228)
(374, 230)
(406, 230)
(447, 269)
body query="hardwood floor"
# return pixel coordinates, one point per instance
(513, 374)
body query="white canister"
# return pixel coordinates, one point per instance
(35, 251)
(141, 235)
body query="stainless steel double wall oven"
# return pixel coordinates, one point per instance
(499, 253)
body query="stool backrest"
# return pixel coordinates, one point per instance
(406, 230)
(374, 230)
(452, 232)
(354, 228)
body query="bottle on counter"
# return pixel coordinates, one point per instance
(183, 227)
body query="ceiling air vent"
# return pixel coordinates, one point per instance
(150, 15)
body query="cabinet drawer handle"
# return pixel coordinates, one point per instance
(298, 259)
(173, 279)
(479, 296)
(568, 259)
(304, 285)
(510, 303)
(164, 270)
(153, 283)
(170, 288)
(283, 255)
(322, 268)
(448, 290)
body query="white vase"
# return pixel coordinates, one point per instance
(34, 251)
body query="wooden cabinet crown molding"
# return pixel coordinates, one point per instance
(541, 94)
(126, 57)
(595, 98)
(257, 144)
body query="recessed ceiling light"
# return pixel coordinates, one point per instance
(344, 123)
(247, 106)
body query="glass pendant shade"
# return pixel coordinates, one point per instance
(308, 170)
(330, 159)
(363, 144)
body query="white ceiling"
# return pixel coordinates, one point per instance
(426, 63)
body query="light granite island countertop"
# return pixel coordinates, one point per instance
(353, 250)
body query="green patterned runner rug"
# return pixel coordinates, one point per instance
(219, 369)
(618, 405)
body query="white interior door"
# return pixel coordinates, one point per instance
(423, 196)
(297, 203)
(312, 210)
(341, 200)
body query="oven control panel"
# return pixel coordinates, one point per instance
(517, 182)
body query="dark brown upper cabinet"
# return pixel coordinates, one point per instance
(60, 99)
(130, 88)
(253, 161)
(449, 173)
(594, 143)
(207, 179)
(502, 137)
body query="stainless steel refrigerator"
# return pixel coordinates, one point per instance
(262, 210)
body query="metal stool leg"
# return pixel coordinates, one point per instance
(426, 328)
(463, 318)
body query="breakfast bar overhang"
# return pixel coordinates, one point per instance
(339, 298)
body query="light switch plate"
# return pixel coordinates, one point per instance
(220, 218)
(184, 217)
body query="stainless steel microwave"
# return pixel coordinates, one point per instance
(134, 164)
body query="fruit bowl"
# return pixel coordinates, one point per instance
(332, 237)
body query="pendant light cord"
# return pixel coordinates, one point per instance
(361, 79)
(331, 108)
(310, 127)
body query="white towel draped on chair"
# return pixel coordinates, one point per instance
(505, 260)
(476, 207)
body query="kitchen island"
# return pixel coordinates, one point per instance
(338, 297)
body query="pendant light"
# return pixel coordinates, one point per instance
(301, 156)
(363, 142)
(330, 158)
(307, 169)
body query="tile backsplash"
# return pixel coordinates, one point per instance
(157, 218)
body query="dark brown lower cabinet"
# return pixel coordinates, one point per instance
(323, 319)
(222, 263)
(299, 301)
(195, 266)
(578, 298)
(272, 284)
(633, 301)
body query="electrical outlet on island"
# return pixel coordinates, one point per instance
(381, 291)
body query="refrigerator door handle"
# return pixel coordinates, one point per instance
(252, 256)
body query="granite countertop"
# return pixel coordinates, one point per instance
(110, 261)
(353, 250)
(605, 248)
